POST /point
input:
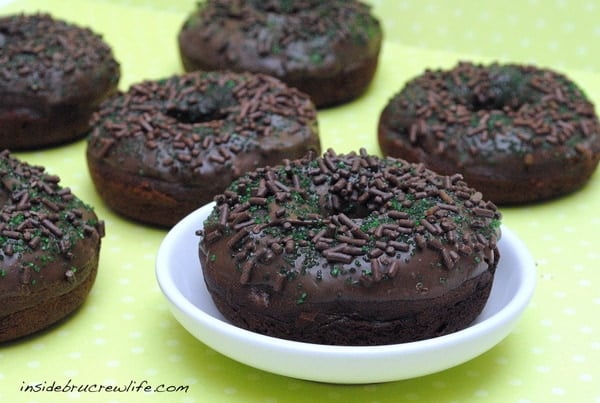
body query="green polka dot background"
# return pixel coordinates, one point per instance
(125, 334)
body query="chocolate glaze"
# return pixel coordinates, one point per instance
(53, 75)
(517, 133)
(49, 247)
(327, 49)
(352, 237)
(164, 148)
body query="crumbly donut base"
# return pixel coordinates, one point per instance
(417, 319)
(26, 130)
(36, 122)
(337, 89)
(506, 183)
(147, 200)
(324, 91)
(48, 312)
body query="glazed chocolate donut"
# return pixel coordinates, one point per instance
(327, 49)
(53, 75)
(49, 248)
(164, 148)
(517, 133)
(350, 250)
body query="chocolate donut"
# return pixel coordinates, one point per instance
(164, 148)
(53, 75)
(49, 248)
(327, 49)
(517, 133)
(350, 250)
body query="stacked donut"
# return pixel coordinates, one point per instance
(53, 75)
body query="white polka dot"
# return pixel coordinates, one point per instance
(482, 393)
(231, 390)
(540, 23)
(441, 30)
(537, 350)
(99, 326)
(568, 27)
(543, 369)
(555, 337)
(128, 316)
(38, 346)
(581, 50)
(407, 397)
(516, 382)
(416, 27)
(75, 355)
(431, 8)
(439, 384)
(137, 350)
(502, 360)
(560, 294)
(113, 364)
(484, 15)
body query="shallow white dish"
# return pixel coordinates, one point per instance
(180, 278)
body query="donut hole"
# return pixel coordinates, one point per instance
(502, 88)
(339, 204)
(495, 98)
(203, 111)
(284, 7)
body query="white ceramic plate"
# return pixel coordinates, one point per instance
(180, 278)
